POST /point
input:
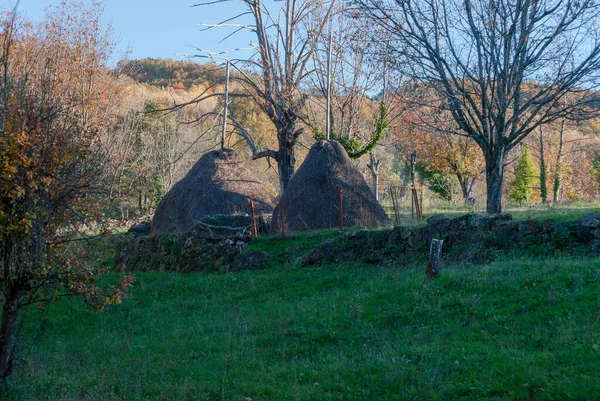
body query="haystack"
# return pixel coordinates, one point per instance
(311, 199)
(218, 184)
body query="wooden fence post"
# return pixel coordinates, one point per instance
(435, 255)
(395, 203)
(282, 219)
(254, 228)
(341, 199)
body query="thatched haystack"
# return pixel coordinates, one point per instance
(218, 184)
(311, 199)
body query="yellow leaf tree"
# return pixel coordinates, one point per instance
(56, 99)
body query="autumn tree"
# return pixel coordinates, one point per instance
(501, 68)
(56, 98)
(425, 130)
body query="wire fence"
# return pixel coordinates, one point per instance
(398, 201)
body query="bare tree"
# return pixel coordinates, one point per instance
(281, 63)
(500, 67)
(354, 74)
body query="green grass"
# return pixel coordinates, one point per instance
(514, 329)
(562, 212)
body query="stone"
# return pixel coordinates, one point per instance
(250, 260)
(591, 220)
(530, 227)
(438, 218)
(140, 229)
(401, 237)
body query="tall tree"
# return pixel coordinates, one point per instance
(500, 67)
(282, 62)
(56, 99)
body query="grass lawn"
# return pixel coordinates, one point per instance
(514, 329)
(562, 212)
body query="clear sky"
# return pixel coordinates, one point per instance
(157, 28)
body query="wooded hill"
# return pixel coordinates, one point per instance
(170, 73)
(450, 168)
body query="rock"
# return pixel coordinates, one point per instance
(438, 219)
(597, 233)
(530, 227)
(140, 229)
(251, 260)
(460, 223)
(591, 220)
(495, 220)
(401, 235)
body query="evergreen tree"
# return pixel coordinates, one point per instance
(595, 171)
(543, 186)
(526, 176)
(440, 184)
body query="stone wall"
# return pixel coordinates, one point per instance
(470, 238)
(216, 242)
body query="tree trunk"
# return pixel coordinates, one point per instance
(494, 174)
(543, 187)
(557, 187)
(466, 186)
(374, 168)
(286, 158)
(8, 330)
(376, 184)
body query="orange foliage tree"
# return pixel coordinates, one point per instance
(426, 131)
(56, 98)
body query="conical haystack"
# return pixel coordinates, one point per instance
(219, 183)
(311, 200)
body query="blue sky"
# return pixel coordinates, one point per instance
(156, 28)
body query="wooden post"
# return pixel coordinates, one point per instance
(421, 202)
(341, 199)
(395, 204)
(416, 204)
(226, 101)
(413, 162)
(412, 202)
(282, 219)
(254, 228)
(328, 106)
(435, 255)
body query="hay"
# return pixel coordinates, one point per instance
(311, 199)
(218, 184)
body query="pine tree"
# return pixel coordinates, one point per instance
(543, 186)
(526, 176)
(595, 171)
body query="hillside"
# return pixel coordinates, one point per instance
(170, 73)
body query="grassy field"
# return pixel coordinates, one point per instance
(564, 212)
(520, 328)
(516, 329)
